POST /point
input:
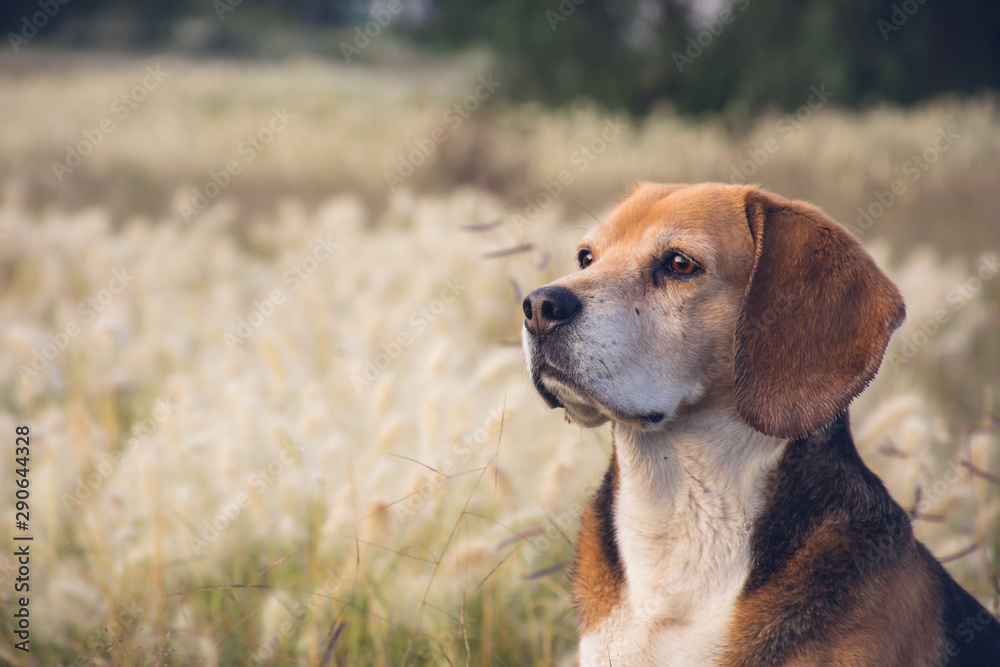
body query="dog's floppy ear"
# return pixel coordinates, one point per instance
(816, 317)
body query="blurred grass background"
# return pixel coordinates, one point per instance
(297, 430)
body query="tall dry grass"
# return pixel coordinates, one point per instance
(226, 471)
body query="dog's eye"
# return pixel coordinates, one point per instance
(679, 264)
(584, 257)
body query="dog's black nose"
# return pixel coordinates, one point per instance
(548, 307)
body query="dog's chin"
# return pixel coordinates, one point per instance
(579, 409)
(583, 410)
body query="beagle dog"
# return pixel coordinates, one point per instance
(723, 331)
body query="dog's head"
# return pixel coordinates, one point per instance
(711, 294)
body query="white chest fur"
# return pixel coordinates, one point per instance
(686, 502)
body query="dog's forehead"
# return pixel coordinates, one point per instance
(710, 218)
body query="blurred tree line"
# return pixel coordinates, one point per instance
(699, 55)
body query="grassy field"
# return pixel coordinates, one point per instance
(278, 414)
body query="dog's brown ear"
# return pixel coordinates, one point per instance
(816, 317)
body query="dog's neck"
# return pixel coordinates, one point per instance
(687, 498)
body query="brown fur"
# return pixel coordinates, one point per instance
(597, 572)
(898, 622)
(816, 301)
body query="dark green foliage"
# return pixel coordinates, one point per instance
(768, 54)
(629, 54)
